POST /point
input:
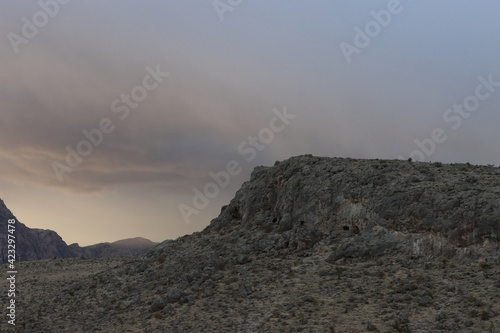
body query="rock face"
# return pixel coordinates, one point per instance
(411, 208)
(309, 245)
(35, 244)
(31, 244)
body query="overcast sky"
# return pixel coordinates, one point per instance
(171, 91)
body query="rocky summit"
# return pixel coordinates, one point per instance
(309, 245)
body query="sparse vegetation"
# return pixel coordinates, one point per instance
(484, 265)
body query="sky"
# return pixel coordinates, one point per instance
(122, 119)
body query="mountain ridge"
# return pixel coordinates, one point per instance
(37, 244)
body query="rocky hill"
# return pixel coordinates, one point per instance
(308, 245)
(36, 244)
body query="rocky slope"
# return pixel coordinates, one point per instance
(35, 244)
(309, 245)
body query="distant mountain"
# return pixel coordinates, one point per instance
(137, 242)
(34, 244)
(130, 247)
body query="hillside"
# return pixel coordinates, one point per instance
(308, 245)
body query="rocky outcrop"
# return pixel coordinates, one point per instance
(36, 244)
(369, 208)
